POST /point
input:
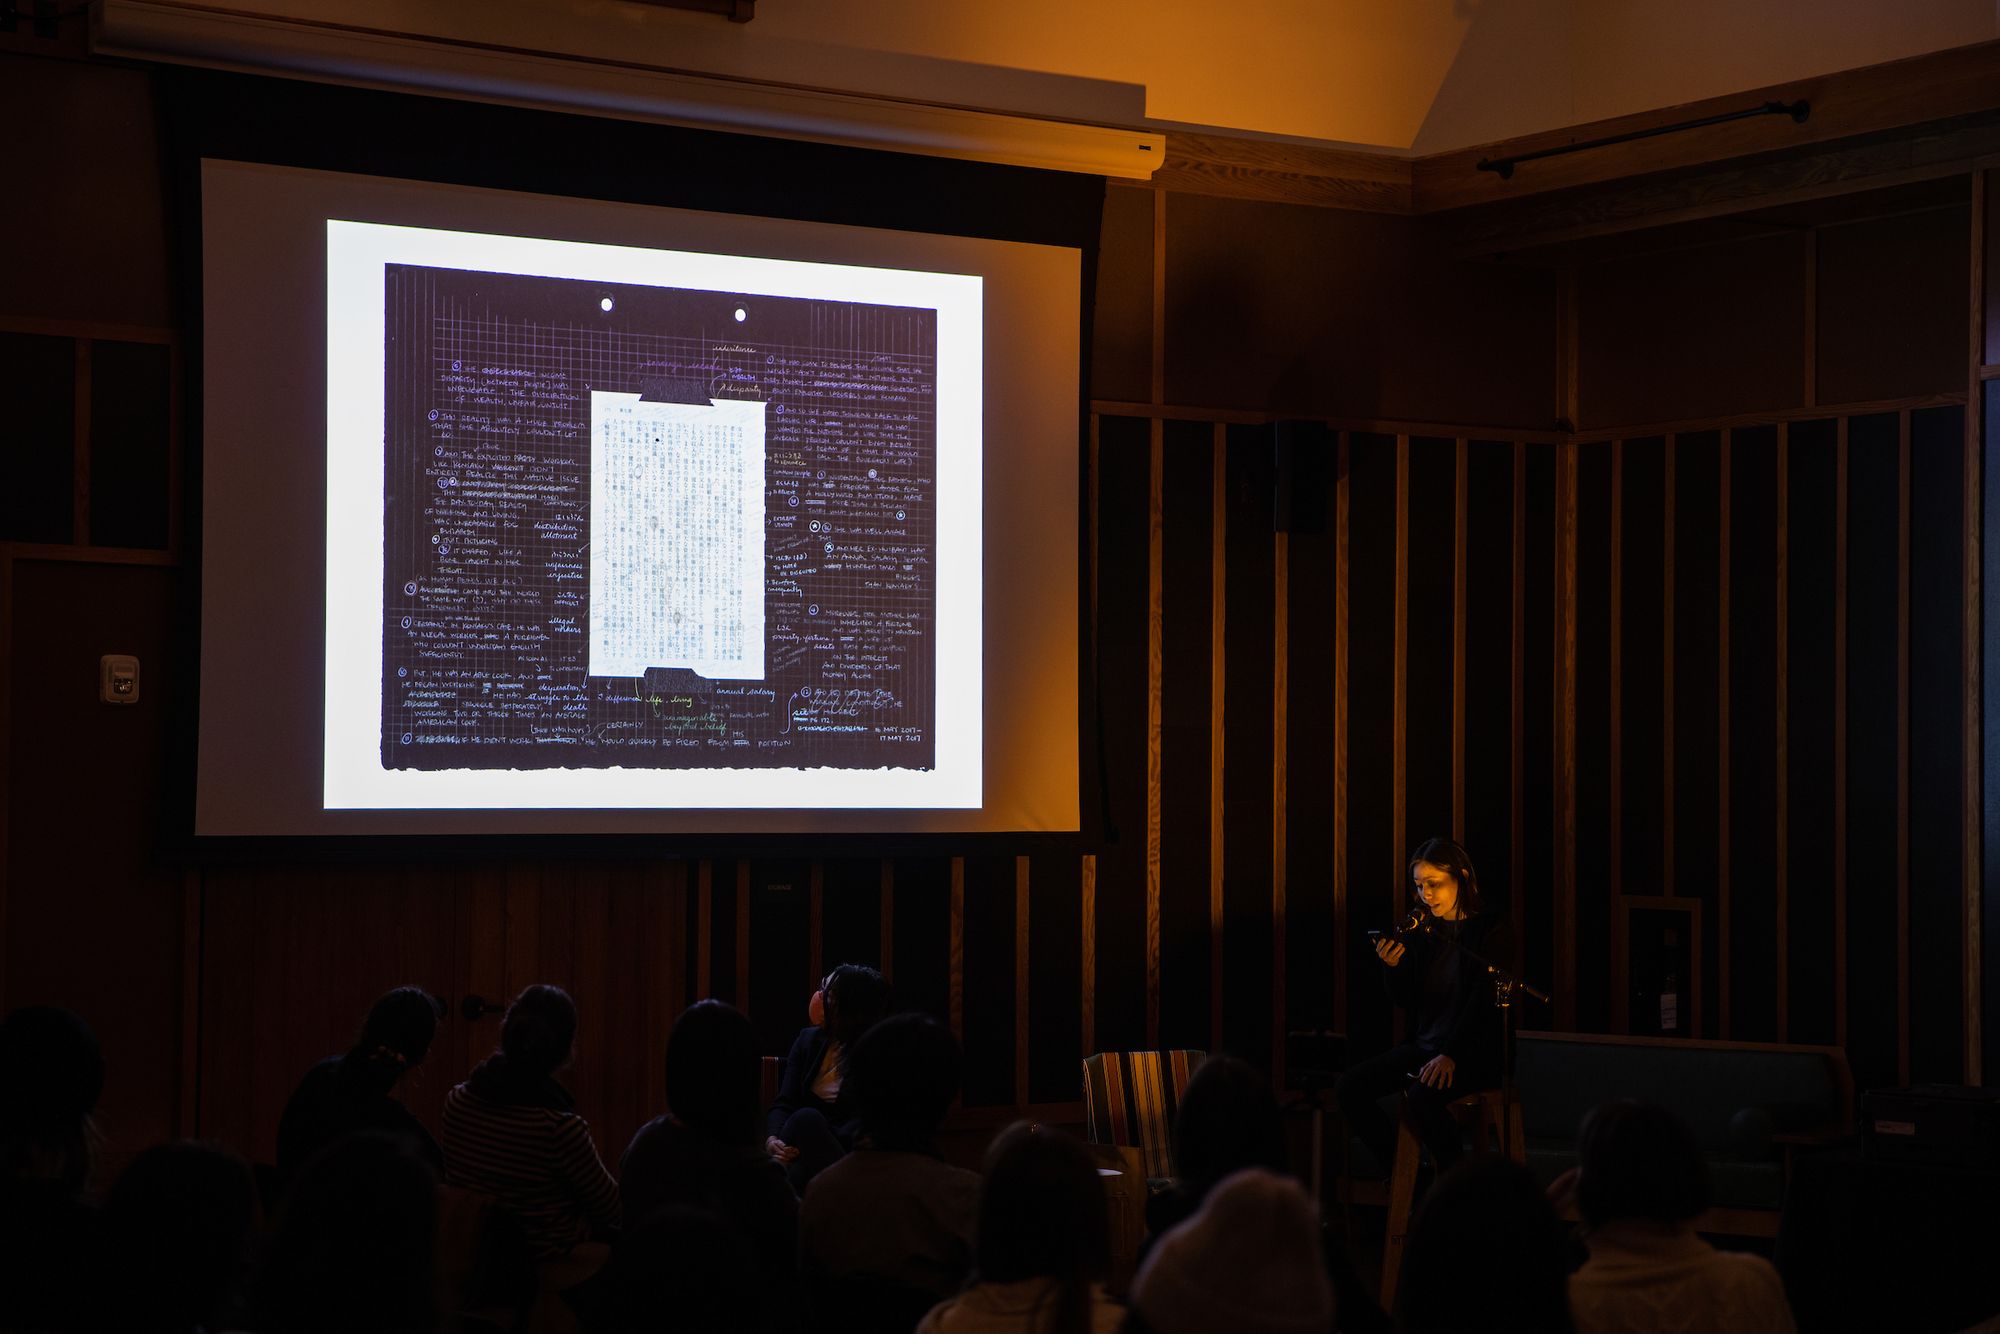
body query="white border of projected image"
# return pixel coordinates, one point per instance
(728, 435)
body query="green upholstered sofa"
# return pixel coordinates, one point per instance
(1750, 1106)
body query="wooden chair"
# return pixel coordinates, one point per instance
(1487, 1114)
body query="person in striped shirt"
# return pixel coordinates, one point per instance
(511, 1132)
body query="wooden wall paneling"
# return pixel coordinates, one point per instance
(1461, 470)
(857, 917)
(1724, 520)
(1314, 971)
(956, 958)
(1903, 747)
(1156, 469)
(1218, 663)
(1781, 764)
(1753, 781)
(1593, 728)
(1989, 639)
(1431, 638)
(1694, 741)
(1972, 747)
(1087, 1010)
(1340, 963)
(989, 1004)
(743, 935)
(923, 935)
(1048, 977)
(1087, 1013)
(779, 928)
(1023, 1001)
(1940, 989)
(1517, 703)
(1281, 652)
(1374, 860)
(1540, 792)
(80, 448)
(1809, 384)
(1874, 725)
(1668, 485)
(1614, 682)
(187, 1110)
(1250, 929)
(704, 929)
(1645, 711)
(1119, 1012)
(886, 915)
(1399, 840)
(815, 927)
(1809, 941)
(6, 749)
(1484, 643)
(1564, 681)
(1187, 786)
(1839, 730)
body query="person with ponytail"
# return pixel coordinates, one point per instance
(1042, 1246)
(355, 1090)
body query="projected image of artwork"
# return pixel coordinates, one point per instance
(646, 527)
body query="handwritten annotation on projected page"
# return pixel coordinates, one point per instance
(642, 532)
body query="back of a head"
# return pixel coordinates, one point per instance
(1485, 1252)
(1638, 1162)
(178, 1221)
(396, 1035)
(714, 1072)
(679, 1268)
(540, 1029)
(901, 1077)
(858, 997)
(1228, 1120)
(1042, 1212)
(1249, 1260)
(51, 1074)
(354, 1247)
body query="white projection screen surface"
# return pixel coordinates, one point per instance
(538, 515)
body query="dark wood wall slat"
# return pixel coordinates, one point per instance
(1597, 865)
(1810, 767)
(923, 935)
(1185, 984)
(1218, 666)
(1989, 681)
(1486, 649)
(1374, 862)
(780, 959)
(1781, 850)
(1156, 470)
(1751, 921)
(989, 1003)
(1903, 599)
(1937, 730)
(1054, 1049)
(1342, 726)
(1249, 930)
(1313, 966)
(1645, 712)
(1540, 612)
(1430, 622)
(1873, 727)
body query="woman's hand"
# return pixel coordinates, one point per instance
(1436, 1072)
(1562, 1191)
(780, 1150)
(1389, 951)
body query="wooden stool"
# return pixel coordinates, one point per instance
(1488, 1114)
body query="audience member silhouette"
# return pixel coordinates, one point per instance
(1248, 1261)
(1228, 1120)
(355, 1243)
(1640, 1183)
(706, 1153)
(177, 1226)
(1485, 1252)
(1042, 1245)
(810, 1123)
(681, 1269)
(51, 1074)
(511, 1132)
(890, 1225)
(353, 1091)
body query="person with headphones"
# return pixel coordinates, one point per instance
(1455, 1041)
(809, 1127)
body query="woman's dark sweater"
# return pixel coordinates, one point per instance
(1450, 998)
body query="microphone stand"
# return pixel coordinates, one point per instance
(1505, 984)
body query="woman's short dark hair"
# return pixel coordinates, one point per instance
(1228, 1120)
(715, 1072)
(859, 997)
(1638, 1161)
(901, 1077)
(396, 1035)
(540, 1028)
(1449, 857)
(1042, 1215)
(1486, 1252)
(51, 1073)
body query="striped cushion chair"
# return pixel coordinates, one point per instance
(1130, 1099)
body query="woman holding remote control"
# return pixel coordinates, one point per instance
(1455, 1039)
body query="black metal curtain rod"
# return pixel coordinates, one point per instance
(1504, 166)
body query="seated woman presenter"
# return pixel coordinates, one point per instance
(809, 1127)
(1454, 1043)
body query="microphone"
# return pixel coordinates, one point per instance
(1416, 919)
